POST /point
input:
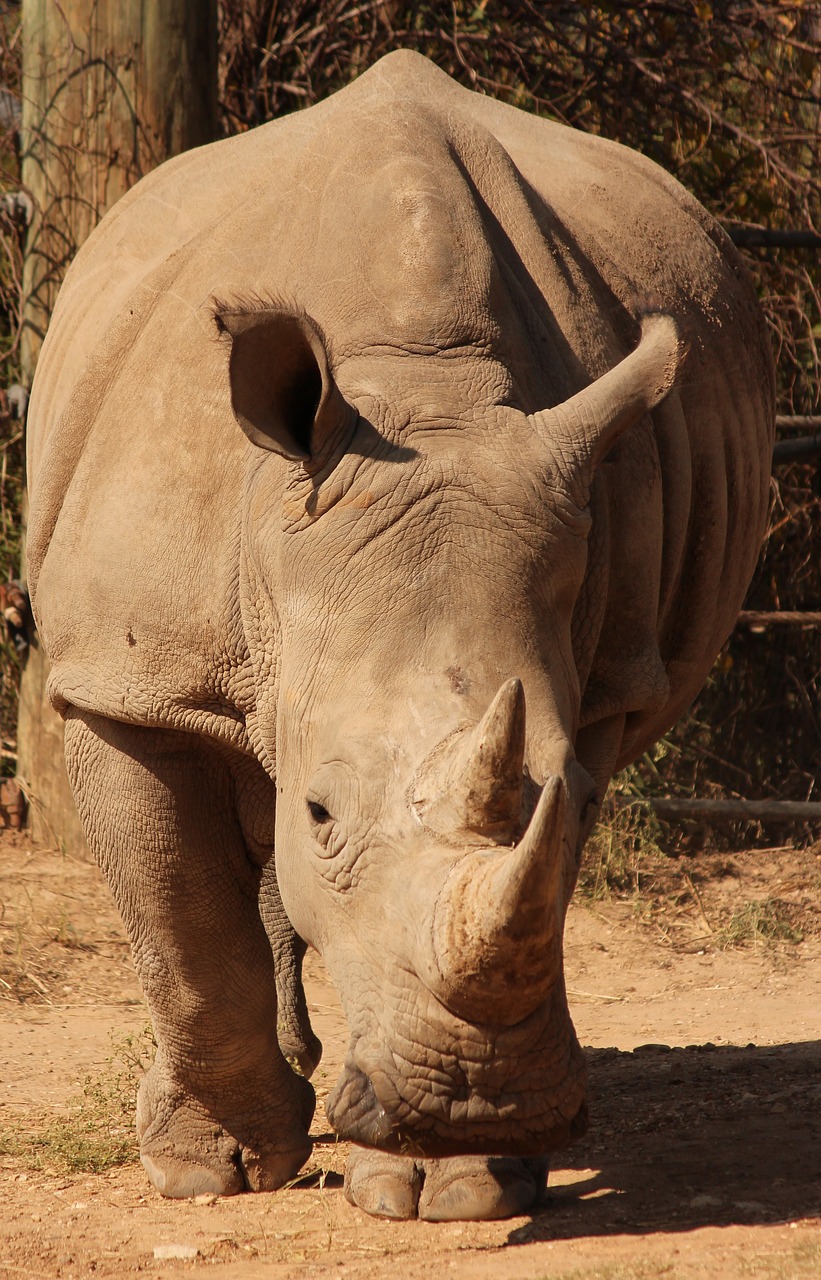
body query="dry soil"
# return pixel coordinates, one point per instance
(703, 1157)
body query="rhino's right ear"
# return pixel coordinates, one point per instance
(282, 390)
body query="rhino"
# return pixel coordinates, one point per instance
(397, 470)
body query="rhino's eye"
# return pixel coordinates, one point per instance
(318, 811)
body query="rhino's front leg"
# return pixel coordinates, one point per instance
(220, 1110)
(297, 1039)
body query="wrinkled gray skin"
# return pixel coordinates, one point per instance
(476, 545)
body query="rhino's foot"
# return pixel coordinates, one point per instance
(187, 1152)
(461, 1188)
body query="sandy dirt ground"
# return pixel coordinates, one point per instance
(703, 1158)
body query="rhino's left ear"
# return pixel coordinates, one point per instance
(584, 428)
(282, 390)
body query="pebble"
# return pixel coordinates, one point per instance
(186, 1251)
(207, 1197)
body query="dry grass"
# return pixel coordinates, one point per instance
(34, 949)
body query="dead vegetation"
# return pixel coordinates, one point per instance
(37, 939)
(53, 920)
(758, 898)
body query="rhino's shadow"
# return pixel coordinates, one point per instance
(687, 1138)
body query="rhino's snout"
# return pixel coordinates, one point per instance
(512, 1091)
(478, 1054)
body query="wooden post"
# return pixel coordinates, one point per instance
(111, 88)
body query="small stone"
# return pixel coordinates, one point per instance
(184, 1251)
(207, 1197)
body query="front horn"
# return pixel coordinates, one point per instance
(496, 930)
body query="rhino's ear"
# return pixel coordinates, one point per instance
(585, 427)
(282, 390)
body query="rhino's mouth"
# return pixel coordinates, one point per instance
(375, 1105)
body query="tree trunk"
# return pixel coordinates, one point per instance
(111, 88)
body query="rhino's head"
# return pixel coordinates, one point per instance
(417, 682)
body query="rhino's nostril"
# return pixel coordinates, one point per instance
(354, 1110)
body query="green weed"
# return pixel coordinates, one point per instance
(767, 921)
(622, 846)
(97, 1132)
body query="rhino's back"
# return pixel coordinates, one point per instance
(138, 473)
